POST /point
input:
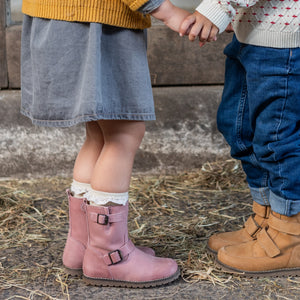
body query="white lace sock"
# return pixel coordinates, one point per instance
(98, 198)
(79, 188)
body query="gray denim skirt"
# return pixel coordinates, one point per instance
(79, 72)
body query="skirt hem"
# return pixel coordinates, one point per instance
(89, 118)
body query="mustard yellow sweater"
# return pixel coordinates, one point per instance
(122, 13)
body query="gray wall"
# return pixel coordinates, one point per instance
(188, 4)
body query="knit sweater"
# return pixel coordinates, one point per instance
(121, 13)
(268, 23)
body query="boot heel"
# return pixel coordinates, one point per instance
(73, 272)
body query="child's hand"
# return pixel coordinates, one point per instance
(196, 25)
(171, 15)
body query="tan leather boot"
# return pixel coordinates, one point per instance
(275, 252)
(252, 226)
(78, 236)
(111, 259)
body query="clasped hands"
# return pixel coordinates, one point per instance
(197, 25)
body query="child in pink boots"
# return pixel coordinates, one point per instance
(86, 61)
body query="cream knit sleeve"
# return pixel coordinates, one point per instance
(221, 12)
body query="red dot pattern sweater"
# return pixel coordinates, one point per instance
(269, 23)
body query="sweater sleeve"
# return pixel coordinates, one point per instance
(221, 12)
(150, 6)
(134, 4)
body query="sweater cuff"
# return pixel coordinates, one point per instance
(214, 12)
(134, 4)
(150, 6)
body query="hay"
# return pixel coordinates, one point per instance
(178, 213)
(173, 214)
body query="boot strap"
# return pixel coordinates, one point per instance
(260, 210)
(252, 227)
(116, 256)
(104, 219)
(284, 226)
(267, 243)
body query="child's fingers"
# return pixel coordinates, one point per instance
(201, 44)
(205, 33)
(186, 24)
(213, 34)
(195, 31)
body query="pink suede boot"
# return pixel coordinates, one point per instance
(78, 236)
(111, 259)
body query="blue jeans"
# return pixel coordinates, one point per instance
(259, 117)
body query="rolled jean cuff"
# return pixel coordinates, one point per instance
(260, 195)
(284, 206)
(150, 6)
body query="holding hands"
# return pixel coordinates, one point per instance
(194, 25)
(171, 15)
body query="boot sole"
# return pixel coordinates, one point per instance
(211, 251)
(130, 284)
(73, 272)
(251, 274)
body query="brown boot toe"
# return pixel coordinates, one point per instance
(251, 228)
(276, 251)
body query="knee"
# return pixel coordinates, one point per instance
(133, 136)
(126, 134)
(137, 131)
(270, 146)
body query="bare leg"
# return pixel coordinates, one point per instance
(89, 153)
(112, 171)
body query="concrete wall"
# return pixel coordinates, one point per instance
(183, 137)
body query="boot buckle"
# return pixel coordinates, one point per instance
(103, 219)
(115, 257)
(252, 227)
(254, 233)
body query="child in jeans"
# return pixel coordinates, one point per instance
(86, 61)
(259, 117)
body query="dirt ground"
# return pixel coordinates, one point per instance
(175, 215)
